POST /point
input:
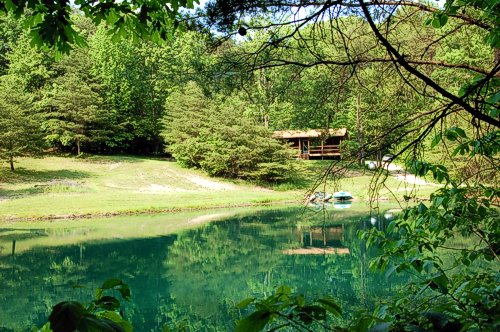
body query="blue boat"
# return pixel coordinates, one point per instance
(342, 195)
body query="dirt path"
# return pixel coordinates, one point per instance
(402, 175)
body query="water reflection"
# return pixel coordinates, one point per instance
(193, 277)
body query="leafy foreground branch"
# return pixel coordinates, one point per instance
(102, 314)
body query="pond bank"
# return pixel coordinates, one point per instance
(142, 212)
(55, 188)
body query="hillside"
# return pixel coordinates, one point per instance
(57, 187)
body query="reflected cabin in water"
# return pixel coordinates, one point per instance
(314, 143)
(320, 241)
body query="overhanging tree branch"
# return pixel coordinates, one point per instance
(282, 62)
(403, 62)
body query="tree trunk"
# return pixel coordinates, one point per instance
(78, 147)
(379, 158)
(359, 129)
(11, 162)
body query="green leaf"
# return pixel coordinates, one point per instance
(391, 227)
(443, 19)
(436, 140)
(45, 328)
(65, 316)
(125, 291)
(112, 17)
(451, 135)
(459, 131)
(11, 5)
(311, 313)
(436, 23)
(495, 112)
(254, 322)
(111, 283)
(428, 266)
(390, 271)
(300, 301)
(363, 323)
(118, 319)
(243, 304)
(440, 283)
(422, 208)
(494, 99)
(108, 303)
(331, 306)
(284, 290)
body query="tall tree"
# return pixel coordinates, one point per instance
(20, 133)
(74, 115)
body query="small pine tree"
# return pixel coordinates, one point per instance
(20, 133)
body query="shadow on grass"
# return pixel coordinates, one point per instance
(22, 175)
(301, 178)
(47, 179)
(111, 159)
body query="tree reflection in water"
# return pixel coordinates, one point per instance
(195, 278)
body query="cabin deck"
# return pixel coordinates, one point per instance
(314, 143)
(320, 151)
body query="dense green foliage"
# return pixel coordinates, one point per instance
(216, 136)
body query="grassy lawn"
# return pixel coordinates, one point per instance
(57, 186)
(70, 187)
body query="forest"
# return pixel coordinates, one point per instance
(208, 87)
(120, 95)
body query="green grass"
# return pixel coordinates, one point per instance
(64, 187)
(57, 186)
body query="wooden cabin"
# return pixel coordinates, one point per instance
(314, 143)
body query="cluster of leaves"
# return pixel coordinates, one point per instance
(458, 286)
(285, 309)
(462, 290)
(216, 136)
(488, 12)
(50, 23)
(102, 314)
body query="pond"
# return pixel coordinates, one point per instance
(189, 269)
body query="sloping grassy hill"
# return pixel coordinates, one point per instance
(66, 187)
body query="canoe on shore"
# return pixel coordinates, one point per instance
(320, 197)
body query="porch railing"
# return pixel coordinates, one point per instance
(325, 150)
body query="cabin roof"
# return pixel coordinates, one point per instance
(311, 133)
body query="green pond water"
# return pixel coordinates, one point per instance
(189, 269)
